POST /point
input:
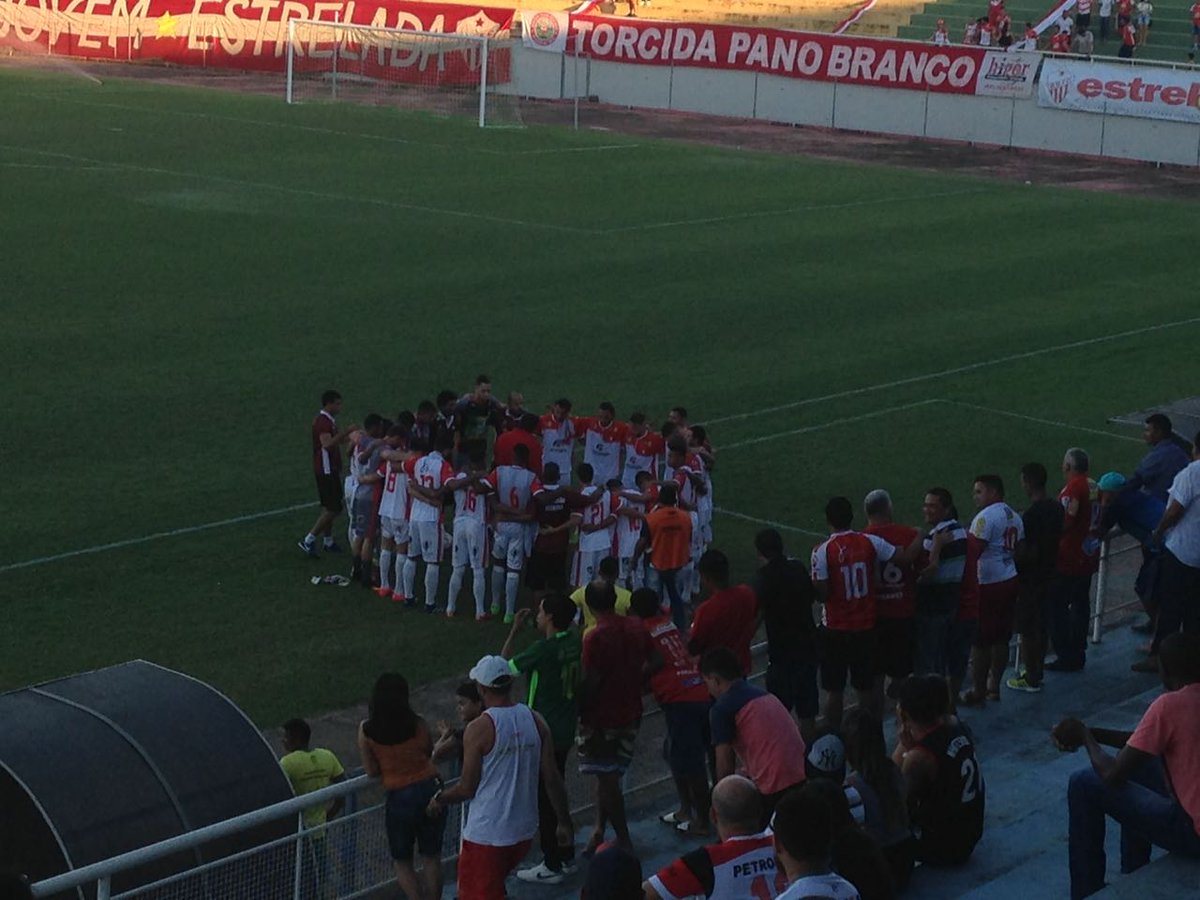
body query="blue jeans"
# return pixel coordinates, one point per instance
(933, 640)
(1144, 808)
(668, 582)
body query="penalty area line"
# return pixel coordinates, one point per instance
(158, 536)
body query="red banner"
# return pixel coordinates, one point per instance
(817, 57)
(238, 34)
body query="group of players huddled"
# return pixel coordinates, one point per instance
(519, 511)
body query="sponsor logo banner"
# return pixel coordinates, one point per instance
(1140, 91)
(242, 34)
(794, 54)
(545, 30)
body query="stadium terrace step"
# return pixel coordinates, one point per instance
(1166, 878)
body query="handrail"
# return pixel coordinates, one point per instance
(106, 868)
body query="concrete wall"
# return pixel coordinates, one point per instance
(986, 120)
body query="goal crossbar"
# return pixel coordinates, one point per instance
(332, 40)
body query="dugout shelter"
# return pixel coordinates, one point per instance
(97, 764)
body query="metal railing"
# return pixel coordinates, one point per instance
(1100, 603)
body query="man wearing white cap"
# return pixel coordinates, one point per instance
(505, 751)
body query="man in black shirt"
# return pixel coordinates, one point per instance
(785, 602)
(941, 773)
(473, 416)
(1035, 556)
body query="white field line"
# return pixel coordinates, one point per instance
(957, 370)
(317, 129)
(1053, 422)
(791, 210)
(237, 520)
(321, 195)
(809, 429)
(158, 536)
(768, 522)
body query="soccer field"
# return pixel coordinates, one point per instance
(186, 270)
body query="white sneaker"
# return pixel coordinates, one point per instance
(540, 874)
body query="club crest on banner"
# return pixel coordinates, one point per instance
(546, 30)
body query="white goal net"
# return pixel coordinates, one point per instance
(439, 73)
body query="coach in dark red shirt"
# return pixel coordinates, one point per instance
(327, 467)
(522, 434)
(729, 617)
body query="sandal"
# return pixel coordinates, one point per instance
(672, 818)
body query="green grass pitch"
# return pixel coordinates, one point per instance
(186, 270)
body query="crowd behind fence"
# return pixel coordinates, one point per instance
(348, 856)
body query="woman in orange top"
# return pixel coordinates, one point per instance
(397, 747)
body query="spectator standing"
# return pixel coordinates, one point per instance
(506, 752)
(1165, 459)
(803, 828)
(1083, 15)
(728, 617)
(741, 867)
(1078, 558)
(618, 654)
(877, 780)
(683, 698)
(752, 726)
(1124, 14)
(327, 440)
(1083, 43)
(1151, 810)
(939, 591)
(1178, 588)
(310, 770)
(995, 532)
(1036, 557)
(1128, 41)
(668, 537)
(397, 747)
(606, 571)
(941, 37)
(449, 744)
(551, 663)
(1195, 13)
(1106, 8)
(896, 596)
(942, 778)
(785, 605)
(845, 574)
(1145, 19)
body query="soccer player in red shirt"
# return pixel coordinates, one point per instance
(845, 575)
(643, 451)
(521, 431)
(729, 615)
(1078, 558)
(327, 438)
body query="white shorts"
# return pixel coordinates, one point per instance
(587, 566)
(470, 543)
(395, 530)
(426, 541)
(508, 545)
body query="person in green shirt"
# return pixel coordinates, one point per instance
(310, 770)
(552, 666)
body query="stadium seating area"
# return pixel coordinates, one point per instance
(1170, 36)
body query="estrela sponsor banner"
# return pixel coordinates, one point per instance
(1141, 91)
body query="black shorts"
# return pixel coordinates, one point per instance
(546, 571)
(407, 824)
(794, 683)
(897, 640)
(845, 652)
(329, 491)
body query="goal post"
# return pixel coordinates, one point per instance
(436, 72)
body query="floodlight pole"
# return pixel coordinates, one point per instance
(483, 77)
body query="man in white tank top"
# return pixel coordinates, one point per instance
(505, 751)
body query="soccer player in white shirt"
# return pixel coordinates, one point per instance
(470, 488)
(557, 431)
(513, 490)
(686, 474)
(698, 445)
(427, 478)
(603, 440)
(393, 514)
(993, 537)
(596, 523)
(630, 519)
